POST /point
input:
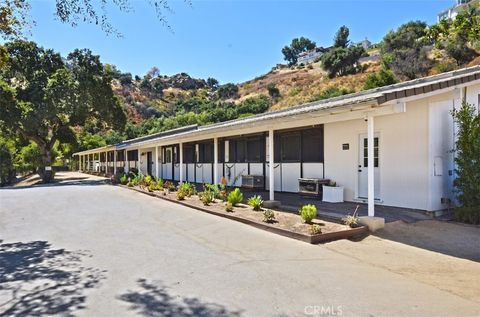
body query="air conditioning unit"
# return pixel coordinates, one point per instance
(253, 181)
(311, 186)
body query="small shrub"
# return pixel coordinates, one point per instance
(152, 186)
(268, 215)
(148, 180)
(235, 197)
(139, 178)
(315, 229)
(187, 188)
(468, 215)
(180, 195)
(124, 179)
(255, 202)
(351, 220)
(171, 187)
(130, 184)
(212, 188)
(159, 184)
(228, 207)
(207, 198)
(308, 213)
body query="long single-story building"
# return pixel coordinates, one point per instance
(390, 145)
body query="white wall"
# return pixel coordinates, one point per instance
(402, 158)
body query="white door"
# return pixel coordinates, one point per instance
(168, 167)
(363, 166)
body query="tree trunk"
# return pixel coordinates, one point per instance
(45, 170)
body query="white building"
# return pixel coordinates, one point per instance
(459, 6)
(390, 145)
(310, 56)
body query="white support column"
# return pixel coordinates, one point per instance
(215, 160)
(138, 160)
(181, 162)
(80, 159)
(114, 162)
(126, 168)
(371, 167)
(156, 160)
(106, 162)
(271, 172)
(88, 162)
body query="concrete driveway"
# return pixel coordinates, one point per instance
(84, 248)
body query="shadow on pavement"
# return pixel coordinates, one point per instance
(67, 181)
(153, 299)
(36, 280)
(449, 238)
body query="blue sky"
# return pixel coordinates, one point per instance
(232, 41)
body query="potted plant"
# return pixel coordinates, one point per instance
(332, 193)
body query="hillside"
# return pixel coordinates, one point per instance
(296, 85)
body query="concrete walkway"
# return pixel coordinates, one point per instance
(85, 248)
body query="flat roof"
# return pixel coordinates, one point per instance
(376, 96)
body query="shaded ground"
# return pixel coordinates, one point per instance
(292, 202)
(107, 251)
(444, 255)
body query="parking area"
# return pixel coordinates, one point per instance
(86, 248)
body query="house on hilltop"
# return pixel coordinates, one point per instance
(459, 6)
(311, 55)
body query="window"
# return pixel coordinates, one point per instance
(176, 154)
(206, 153)
(168, 155)
(189, 153)
(121, 155)
(132, 155)
(375, 152)
(255, 149)
(221, 151)
(312, 145)
(290, 147)
(240, 151)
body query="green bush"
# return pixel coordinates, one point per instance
(124, 179)
(315, 229)
(180, 195)
(255, 202)
(468, 214)
(159, 184)
(467, 159)
(152, 186)
(147, 180)
(187, 188)
(207, 198)
(235, 197)
(228, 207)
(268, 215)
(308, 213)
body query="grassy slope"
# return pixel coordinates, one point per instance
(298, 86)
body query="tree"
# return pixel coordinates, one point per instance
(341, 61)
(43, 96)
(467, 159)
(212, 83)
(228, 91)
(297, 46)
(404, 51)
(384, 78)
(15, 14)
(341, 38)
(457, 37)
(273, 91)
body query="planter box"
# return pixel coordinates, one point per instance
(332, 194)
